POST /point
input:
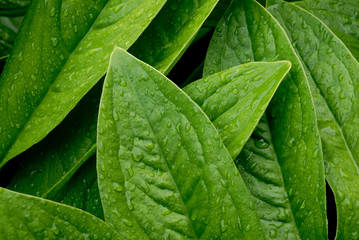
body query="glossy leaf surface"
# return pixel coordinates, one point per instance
(171, 32)
(236, 99)
(26, 217)
(73, 141)
(333, 73)
(163, 170)
(342, 18)
(291, 196)
(75, 43)
(46, 167)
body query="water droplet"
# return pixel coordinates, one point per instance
(149, 144)
(188, 126)
(224, 227)
(123, 83)
(261, 143)
(248, 227)
(54, 41)
(166, 212)
(117, 187)
(273, 233)
(52, 12)
(329, 51)
(129, 204)
(127, 222)
(290, 143)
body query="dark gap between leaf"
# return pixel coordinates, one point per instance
(331, 213)
(190, 60)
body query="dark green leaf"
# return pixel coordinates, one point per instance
(171, 32)
(46, 167)
(73, 141)
(13, 7)
(287, 164)
(235, 100)
(27, 217)
(163, 170)
(342, 18)
(63, 49)
(333, 75)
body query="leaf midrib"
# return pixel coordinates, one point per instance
(331, 112)
(161, 153)
(6, 157)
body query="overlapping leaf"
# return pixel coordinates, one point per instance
(169, 35)
(26, 217)
(333, 74)
(81, 191)
(73, 142)
(38, 90)
(342, 18)
(156, 182)
(235, 100)
(284, 172)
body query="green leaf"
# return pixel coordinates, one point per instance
(171, 32)
(235, 100)
(73, 141)
(46, 167)
(27, 217)
(333, 75)
(7, 39)
(13, 7)
(82, 190)
(163, 170)
(285, 175)
(342, 18)
(74, 43)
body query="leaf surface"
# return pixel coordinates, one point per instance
(342, 18)
(289, 149)
(163, 162)
(74, 43)
(73, 141)
(235, 100)
(333, 75)
(171, 32)
(27, 217)
(45, 168)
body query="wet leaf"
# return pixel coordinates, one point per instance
(333, 76)
(285, 174)
(74, 43)
(163, 170)
(27, 217)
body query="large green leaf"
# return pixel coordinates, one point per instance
(235, 100)
(171, 32)
(285, 174)
(46, 167)
(163, 170)
(27, 217)
(62, 50)
(342, 18)
(73, 141)
(333, 73)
